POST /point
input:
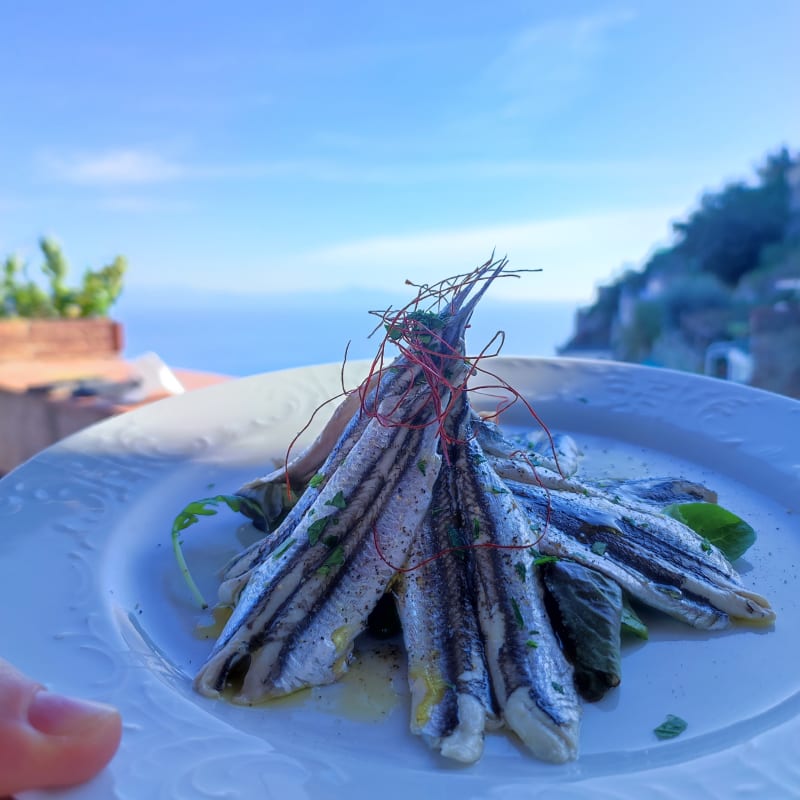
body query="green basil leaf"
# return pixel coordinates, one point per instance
(718, 526)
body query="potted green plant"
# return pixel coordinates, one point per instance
(55, 320)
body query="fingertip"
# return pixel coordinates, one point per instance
(57, 715)
(80, 737)
(63, 742)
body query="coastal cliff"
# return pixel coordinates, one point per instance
(723, 299)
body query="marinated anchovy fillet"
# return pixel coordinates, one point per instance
(664, 565)
(508, 568)
(451, 695)
(532, 679)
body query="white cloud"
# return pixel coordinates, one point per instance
(144, 204)
(544, 66)
(115, 167)
(136, 168)
(574, 253)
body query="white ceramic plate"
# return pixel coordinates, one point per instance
(91, 602)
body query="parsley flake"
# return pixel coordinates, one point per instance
(671, 727)
(517, 614)
(316, 528)
(335, 559)
(337, 501)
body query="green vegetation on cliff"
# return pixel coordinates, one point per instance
(732, 273)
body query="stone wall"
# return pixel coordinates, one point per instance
(775, 347)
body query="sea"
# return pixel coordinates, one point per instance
(241, 335)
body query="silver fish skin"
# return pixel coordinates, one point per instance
(531, 678)
(643, 494)
(365, 482)
(451, 696)
(559, 448)
(657, 493)
(556, 452)
(519, 461)
(655, 558)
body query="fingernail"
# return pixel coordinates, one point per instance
(56, 715)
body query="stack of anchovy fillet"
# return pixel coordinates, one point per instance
(504, 567)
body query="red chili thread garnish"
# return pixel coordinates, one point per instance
(459, 548)
(415, 330)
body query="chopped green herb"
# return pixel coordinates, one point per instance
(517, 614)
(190, 515)
(422, 466)
(283, 549)
(316, 528)
(557, 686)
(335, 559)
(539, 560)
(498, 490)
(599, 548)
(476, 529)
(426, 319)
(521, 570)
(394, 332)
(456, 541)
(532, 644)
(630, 622)
(316, 480)
(337, 501)
(671, 727)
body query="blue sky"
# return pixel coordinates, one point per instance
(259, 146)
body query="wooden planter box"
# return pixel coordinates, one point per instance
(28, 339)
